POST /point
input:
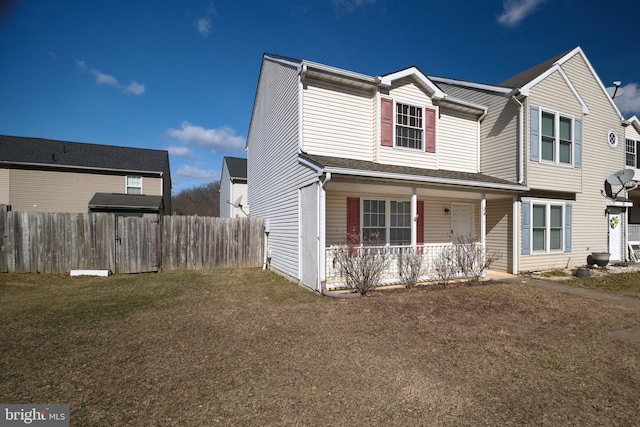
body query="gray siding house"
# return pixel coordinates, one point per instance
(44, 175)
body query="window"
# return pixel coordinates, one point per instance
(134, 185)
(400, 232)
(556, 138)
(631, 152)
(374, 222)
(378, 229)
(409, 127)
(547, 226)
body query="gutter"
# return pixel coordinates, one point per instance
(86, 168)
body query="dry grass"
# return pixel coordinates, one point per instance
(627, 283)
(245, 347)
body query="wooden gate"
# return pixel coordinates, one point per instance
(137, 245)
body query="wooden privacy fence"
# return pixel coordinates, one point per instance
(44, 242)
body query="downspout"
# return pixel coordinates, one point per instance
(520, 139)
(303, 73)
(322, 236)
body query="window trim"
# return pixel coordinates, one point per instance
(634, 154)
(127, 186)
(557, 116)
(395, 126)
(387, 216)
(547, 241)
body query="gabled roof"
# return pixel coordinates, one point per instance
(523, 78)
(419, 76)
(237, 167)
(362, 168)
(125, 202)
(39, 152)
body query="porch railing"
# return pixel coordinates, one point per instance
(634, 232)
(334, 277)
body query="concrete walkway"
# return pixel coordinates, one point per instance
(565, 289)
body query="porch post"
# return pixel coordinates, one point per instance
(515, 244)
(483, 220)
(414, 217)
(483, 229)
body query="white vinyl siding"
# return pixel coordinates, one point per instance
(498, 131)
(274, 173)
(337, 120)
(457, 141)
(225, 192)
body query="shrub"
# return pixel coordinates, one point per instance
(410, 262)
(361, 265)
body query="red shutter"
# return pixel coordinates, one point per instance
(353, 220)
(430, 130)
(420, 223)
(386, 119)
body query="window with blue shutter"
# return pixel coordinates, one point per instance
(567, 227)
(577, 147)
(526, 228)
(534, 134)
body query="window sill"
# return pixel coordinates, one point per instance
(562, 165)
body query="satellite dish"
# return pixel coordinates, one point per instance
(238, 202)
(621, 177)
(615, 90)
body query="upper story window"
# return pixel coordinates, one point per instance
(134, 184)
(556, 138)
(408, 126)
(631, 152)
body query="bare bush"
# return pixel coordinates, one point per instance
(446, 265)
(361, 265)
(410, 262)
(471, 257)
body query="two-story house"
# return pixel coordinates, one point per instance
(44, 175)
(392, 159)
(233, 188)
(415, 160)
(555, 129)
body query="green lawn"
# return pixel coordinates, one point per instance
(622, 283)
(246, 347)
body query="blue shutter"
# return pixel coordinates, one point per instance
(535, 134)
(567, 227)
(526, 228)
(577, 144)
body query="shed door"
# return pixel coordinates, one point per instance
(309, 236)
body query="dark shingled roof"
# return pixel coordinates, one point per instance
(133, 202)
(362, 165)
(237, 167)
(525, 77)
(53, 153)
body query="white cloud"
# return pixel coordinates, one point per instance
(180, 151)
(517, 10)
(629, 101)
(193, 172)
(135, 88)
(204, 26)
(107, 79)
(348, 6)
(217, 140)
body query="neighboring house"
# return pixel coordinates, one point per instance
(390, 158)
(632, 161)
(233, 188)
(42, 175)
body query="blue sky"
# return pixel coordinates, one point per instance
(181, 75)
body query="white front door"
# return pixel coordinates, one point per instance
(461, 220)
(615, 237)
